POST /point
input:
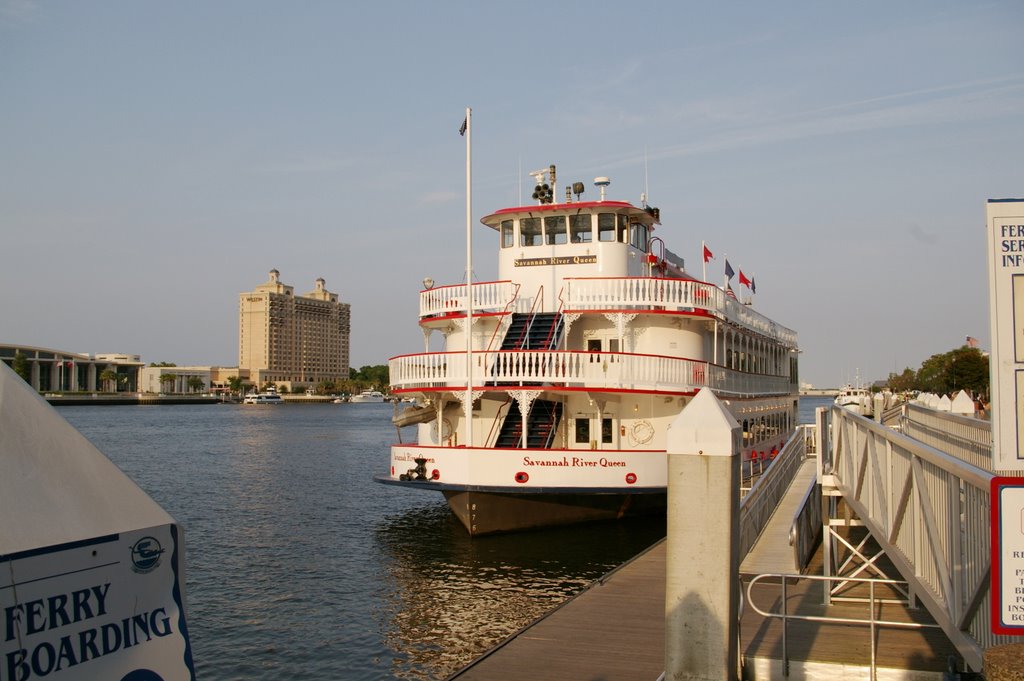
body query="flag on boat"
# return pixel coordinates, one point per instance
(753, 286)
(707, 253)
(728, 270)
(462, 128)
(743, 280)
(729, 292)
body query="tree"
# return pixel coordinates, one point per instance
(195, 384)
(236, 384)
(904, 382)
(964, 368)
(109, 378)
(168, 379)
(20, 366)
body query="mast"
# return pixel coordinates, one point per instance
(469, 278)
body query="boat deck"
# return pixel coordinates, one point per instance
(615, 630)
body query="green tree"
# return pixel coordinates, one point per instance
(21, 367)
(168, 380)
(162, 364)
(964, 368)
(195, 384)
(236, 384)
(109, 378)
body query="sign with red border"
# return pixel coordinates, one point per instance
(1007, 503)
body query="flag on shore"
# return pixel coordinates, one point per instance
(972, 342)
(462, 128)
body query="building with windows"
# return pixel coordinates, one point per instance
(292, 341)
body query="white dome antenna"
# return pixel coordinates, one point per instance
(602, 183)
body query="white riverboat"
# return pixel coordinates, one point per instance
(266, 397)
(582, 353)
(368, 396)
(857, 399)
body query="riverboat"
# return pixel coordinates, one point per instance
(268, 397)
(580, 355)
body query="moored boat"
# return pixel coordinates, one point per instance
(579, 356)
(857, 399)
(368, 396)
(266, 397)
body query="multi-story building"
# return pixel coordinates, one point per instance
(290, 340)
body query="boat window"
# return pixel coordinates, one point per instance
(554, 229)
(606, 226)
(624, 229)
(581, 229)
(613, 345)
(530, 232)
(638, 236)
(582, 429)
(507, 235)
(606, 431)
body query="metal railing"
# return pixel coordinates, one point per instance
(758, 505)
(929, 511)
(490, 296)
(967, 438)
(578, 368)
(871, 621)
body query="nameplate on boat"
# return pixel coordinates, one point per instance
(568, 260)
(108, 607)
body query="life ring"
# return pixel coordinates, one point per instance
(446, 430)
(641, 433)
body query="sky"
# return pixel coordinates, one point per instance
(158, 159)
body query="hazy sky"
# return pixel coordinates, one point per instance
(157, 159)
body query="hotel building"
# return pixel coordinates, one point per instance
(289, 340)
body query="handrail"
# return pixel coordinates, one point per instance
(551, 331)
(871, 621)
(758, 505)
(504, 312)
(531, 314)
(489, 442)
(806, 527)
(929, 511)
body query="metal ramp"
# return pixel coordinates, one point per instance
(773, 551)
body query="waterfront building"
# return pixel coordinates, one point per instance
(51, 370)
(168, 379)
(291, 340)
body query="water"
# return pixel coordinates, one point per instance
(808, 405)
(299, 566)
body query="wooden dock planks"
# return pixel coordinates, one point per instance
(616, 630)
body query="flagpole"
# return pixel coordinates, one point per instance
(704, 258)
(469, 278)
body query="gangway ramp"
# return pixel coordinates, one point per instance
(772, 552)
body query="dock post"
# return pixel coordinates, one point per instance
(702, 545)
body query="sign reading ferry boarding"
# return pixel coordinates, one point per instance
(102, 608)
(1005, 225)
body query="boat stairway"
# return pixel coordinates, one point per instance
(534, 331)
(541, 426)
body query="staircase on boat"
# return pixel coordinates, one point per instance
(541, 425)
(534, 331)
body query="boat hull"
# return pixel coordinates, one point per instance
(484, 513)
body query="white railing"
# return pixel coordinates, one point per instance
(616, 293)
(968, 439)
(644, 293)
(758, 505)
(575, 368)
(491, 296)
(929, 512)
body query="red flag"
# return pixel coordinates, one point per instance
(707, 254)
(743, 280)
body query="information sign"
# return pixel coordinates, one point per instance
(1005, 225)
(102, 608)
(1008, 556)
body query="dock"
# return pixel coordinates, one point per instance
(615, 631)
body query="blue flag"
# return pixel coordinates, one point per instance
(728, 270)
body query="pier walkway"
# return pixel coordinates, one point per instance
(615, 631)
(882, 543)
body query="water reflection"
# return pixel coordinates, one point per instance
(450, 598)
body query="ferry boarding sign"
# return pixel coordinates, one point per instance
(108, 607)
(1005, 225)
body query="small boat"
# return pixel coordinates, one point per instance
(857, 400)
(368, 396)
(268, 397)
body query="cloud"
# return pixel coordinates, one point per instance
(923, 236)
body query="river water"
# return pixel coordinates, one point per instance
(299, 566)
